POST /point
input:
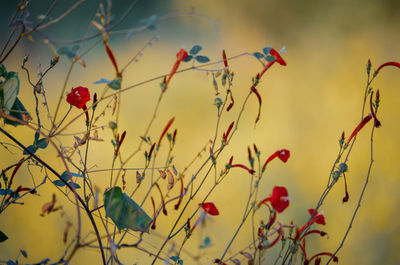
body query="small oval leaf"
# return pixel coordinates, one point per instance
(188, 58)
(202, 59)
(31, 149)
(59, 183)
(195, 49)
(270, 58)
(258, 55)
(266, 50)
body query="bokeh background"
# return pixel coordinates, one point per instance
(306, 106)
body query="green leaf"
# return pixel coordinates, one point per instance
(63, 50)
(3, 71)
(188, 58)
(75, 48)
(270, 58)
(42, 143)
(6, 191)
(175, 258)
(195, 49)
(258, 55)
(10, 91)
(59, 183)
(3, 237)
(266, 50)
(65, 175)
(23, 252)
(206, 243)
(10, 262)
(124, 212)
(31, 148)
(18, 111)
(202, 59)
(74, 184)
(116, 83)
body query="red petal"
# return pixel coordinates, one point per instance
(284, 155)
(210, 208)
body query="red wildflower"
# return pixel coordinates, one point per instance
(396, 64)
(209, 208)
(359, 127)
(317, 218)
(282, 154)
(180, 56)
(78, 97)
(278, 59)
(279, 199)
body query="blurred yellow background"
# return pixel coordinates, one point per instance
(306, 106)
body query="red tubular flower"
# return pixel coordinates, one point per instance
(225, 61)
(165, 130)
(359, 127)
(112, 58)
(255, 91)
(251, 171)
(78, 97)
(282, 154)
(209, 208)
(318, 218)
(180, 56)
(225, 135)
(279, 199)
(232, 102)
(278, 59)
(396, 64)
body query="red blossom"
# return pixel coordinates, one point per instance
(209, 208)
(279, 199)
(318, 217)
(396, 64)
(359, 127)
(278, 59)
(282, 154)
(78, 97)
(180, 56)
